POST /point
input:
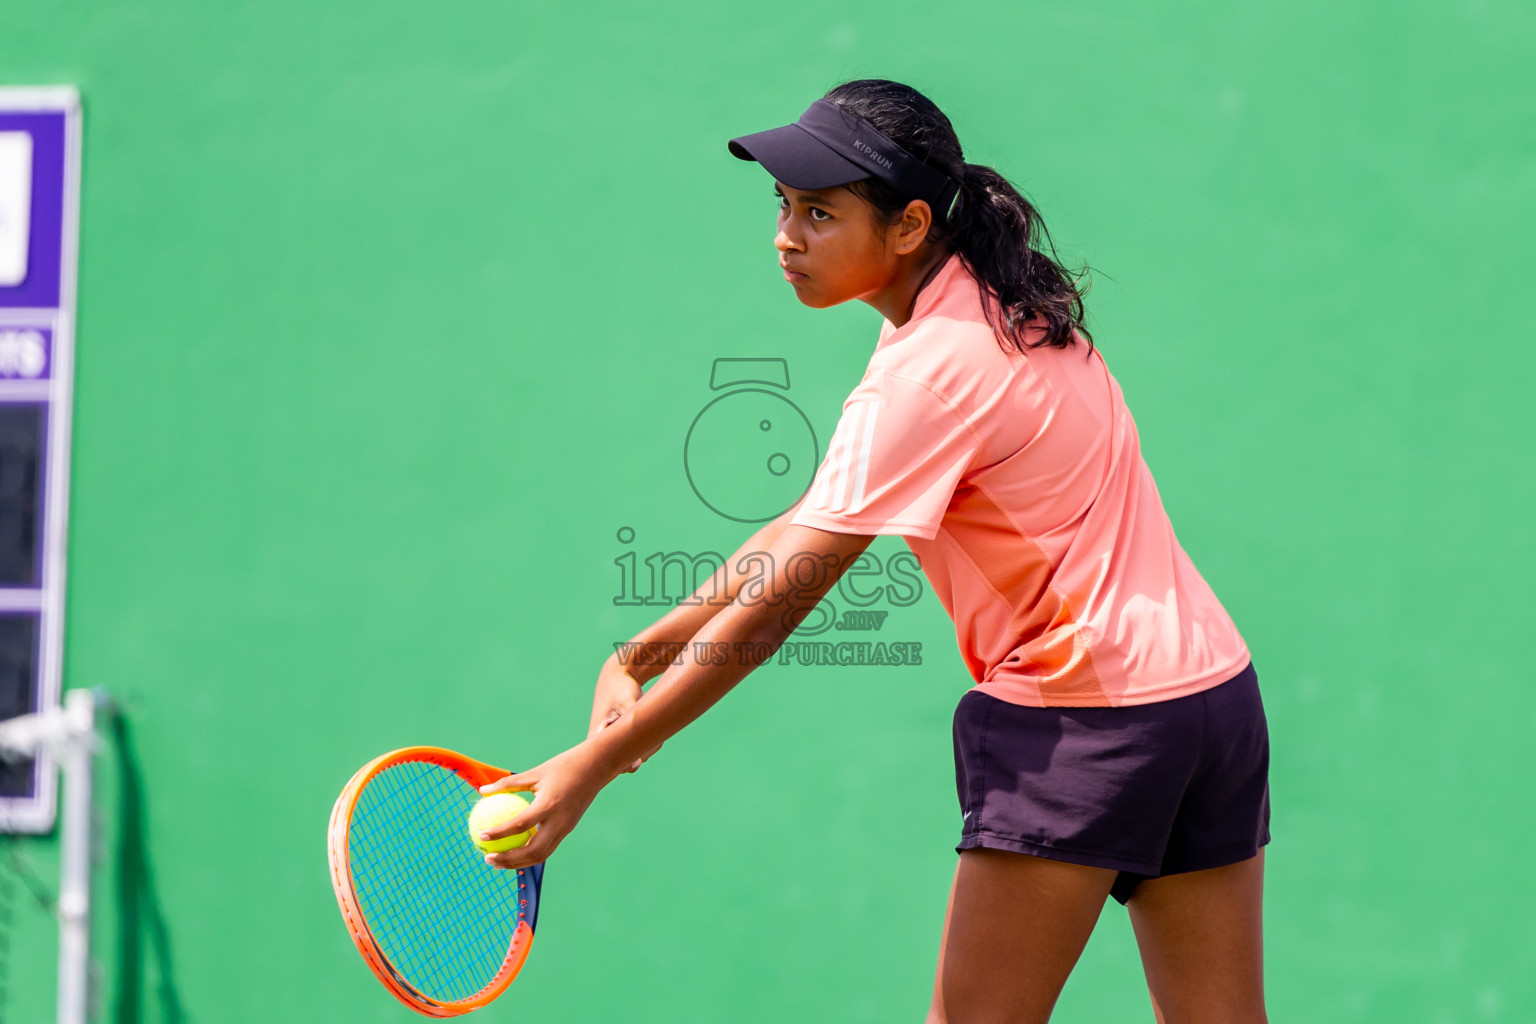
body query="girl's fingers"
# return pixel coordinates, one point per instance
(512, 826)
(535, 850)
(534, 814)
(514, 783)
(613, 715)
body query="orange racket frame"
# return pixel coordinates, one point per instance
(477, 774)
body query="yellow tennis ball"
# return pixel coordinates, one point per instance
(492, 811)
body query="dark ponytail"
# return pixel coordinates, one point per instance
(996, 231)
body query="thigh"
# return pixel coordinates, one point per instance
(1201, 940)
(1014, 928)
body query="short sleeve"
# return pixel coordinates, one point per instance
(895, 458)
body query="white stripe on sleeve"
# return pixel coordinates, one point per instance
(847, 460)
(869, 440)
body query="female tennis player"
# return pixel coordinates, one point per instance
(1114, 741)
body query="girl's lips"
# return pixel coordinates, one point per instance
(793, 275)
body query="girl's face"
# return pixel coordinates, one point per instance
(833, 247)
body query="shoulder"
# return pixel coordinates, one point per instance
(933, 348)
(957, 358)
(948, 335)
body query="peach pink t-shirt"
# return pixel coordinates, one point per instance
(1018, 482)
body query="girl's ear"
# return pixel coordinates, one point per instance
(913, 226)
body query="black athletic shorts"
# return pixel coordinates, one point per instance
(1147, 789)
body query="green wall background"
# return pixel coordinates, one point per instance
(392, 315)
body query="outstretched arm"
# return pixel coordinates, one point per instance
(762, 612)
(683, 622)
(620, 680)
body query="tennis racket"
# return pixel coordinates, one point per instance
(444, 931)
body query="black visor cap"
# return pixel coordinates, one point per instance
(829, 146)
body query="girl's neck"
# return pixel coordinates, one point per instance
(896, 300)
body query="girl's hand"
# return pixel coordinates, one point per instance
(616, 692)
(563, 788)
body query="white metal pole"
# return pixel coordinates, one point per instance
(75, 855)
(70, 734)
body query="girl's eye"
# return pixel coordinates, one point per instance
(817, 213)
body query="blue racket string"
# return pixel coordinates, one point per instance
(441, 915)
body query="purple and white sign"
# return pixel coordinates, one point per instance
(24, 352)
(39, 225)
